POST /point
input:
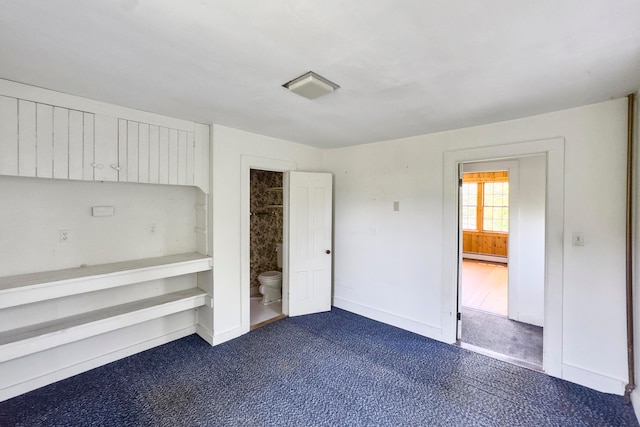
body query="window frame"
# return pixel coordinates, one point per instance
(480, 178)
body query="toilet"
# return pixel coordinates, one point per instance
(271, 281)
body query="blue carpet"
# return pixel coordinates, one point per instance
(335, 368)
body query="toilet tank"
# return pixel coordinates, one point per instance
(279, 254)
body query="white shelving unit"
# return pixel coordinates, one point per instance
(57, 323)
(33, 287)
(42, 336)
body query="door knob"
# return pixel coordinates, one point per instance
(327, 251)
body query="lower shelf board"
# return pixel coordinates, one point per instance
(31, 339)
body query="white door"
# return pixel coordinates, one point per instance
(309, 242)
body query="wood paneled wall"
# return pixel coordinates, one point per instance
(485, 242)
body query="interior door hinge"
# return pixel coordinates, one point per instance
(459, 182)
(459, 316)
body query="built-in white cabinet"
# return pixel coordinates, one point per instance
(56, 323)
(45, 141)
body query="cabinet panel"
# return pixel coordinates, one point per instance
(26, 138)
(44, 141)
(201, 156)
(122, 150)
(164, 156)
(132, 151)
(173, 156)
(143, 152)
(8, 136)
(182, 157)
(106, 148)
(60, 143)
(87, 146)
(154, 153)
(76, 150)
(190, 159)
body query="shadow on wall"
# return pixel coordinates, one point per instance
(266, 223)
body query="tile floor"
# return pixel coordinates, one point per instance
(261, 313)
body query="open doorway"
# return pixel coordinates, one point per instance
(494, 317)
(266, 231)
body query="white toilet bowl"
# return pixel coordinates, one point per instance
(270, 286)
(271, 281)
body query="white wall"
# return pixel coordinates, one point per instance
(34, 210)
(388, 264)
(231, 148)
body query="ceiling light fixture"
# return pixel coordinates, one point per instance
(311, 85)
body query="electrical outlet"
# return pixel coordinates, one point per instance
(64, 236)
(153, 228)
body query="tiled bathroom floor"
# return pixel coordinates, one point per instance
(261, 313)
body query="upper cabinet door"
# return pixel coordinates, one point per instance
(106, 160)
(26, 138)
(8, 136)
(143, 153)
(51, 141)
(60, 143)
(44, 141)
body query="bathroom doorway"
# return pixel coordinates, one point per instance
(501, 281)
(266, 231)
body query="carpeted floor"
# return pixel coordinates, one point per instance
(504, 336)
(330, 369)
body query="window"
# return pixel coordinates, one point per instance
(485, 202)
(495, 207)
(469, 205)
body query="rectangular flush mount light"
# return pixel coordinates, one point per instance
(311, 85)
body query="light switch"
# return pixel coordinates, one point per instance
(396, 206)
(577, 239)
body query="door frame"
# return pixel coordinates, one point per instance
(274, 165)
(553, 149)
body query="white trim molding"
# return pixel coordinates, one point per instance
(554, 223)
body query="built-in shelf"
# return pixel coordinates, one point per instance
(33, 287)
(31, 339)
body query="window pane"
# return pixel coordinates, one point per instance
(496, 206)
(469, 205)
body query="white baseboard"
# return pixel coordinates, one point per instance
(635, 401)
(423, 329)
(592, 379)
(204, 334)
(226, 336)
(483, 257)
(50, 378)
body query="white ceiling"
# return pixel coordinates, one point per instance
(405, 67)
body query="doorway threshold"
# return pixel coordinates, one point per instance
(499, 356)
(266, 322)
